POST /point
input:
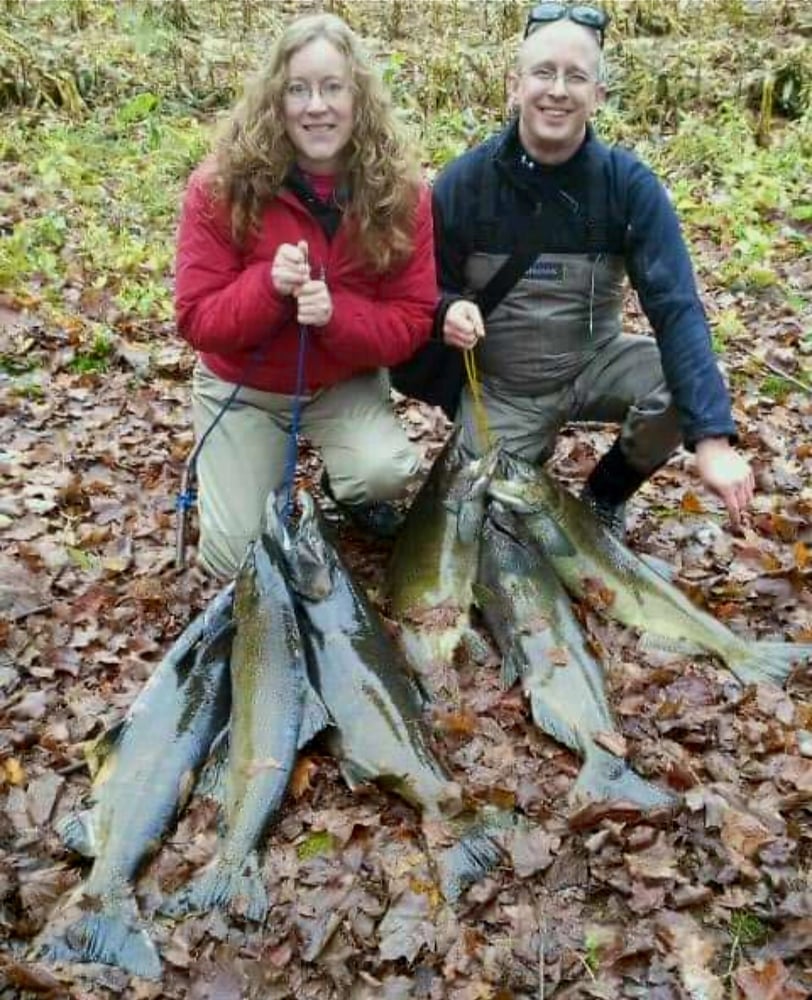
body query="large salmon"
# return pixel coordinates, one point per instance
(530, 616)
(273, 712)
(590, 560)
(434, 562)
(375, 705)
(144, 768)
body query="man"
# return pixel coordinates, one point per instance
(552, 350)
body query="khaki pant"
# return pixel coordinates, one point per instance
(365, 450)
(622, 384)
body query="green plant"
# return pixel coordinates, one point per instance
(317, 843)
(593, 945)
(776, 388)
(745, 930)
(96, 358)
(725, 326)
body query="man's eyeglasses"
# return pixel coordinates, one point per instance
(583, 14)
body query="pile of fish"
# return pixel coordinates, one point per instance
(294, 649)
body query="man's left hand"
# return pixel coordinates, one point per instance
(724, 471)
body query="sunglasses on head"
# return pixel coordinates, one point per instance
(586, 16)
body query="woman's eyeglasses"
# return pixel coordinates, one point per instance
(586, 16)
(300, 93)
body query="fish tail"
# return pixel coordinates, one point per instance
(472, 857)
(768, 662)
(213, 780)
(223, 886)
(606, 778)
(113, 935)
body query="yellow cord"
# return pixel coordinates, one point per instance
(480, 413)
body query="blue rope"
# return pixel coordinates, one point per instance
(187, 496)
(295, 422)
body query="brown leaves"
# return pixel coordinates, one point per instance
(768, 980)
(693, 950)
(407, 928)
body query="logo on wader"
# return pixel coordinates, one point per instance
(546, 270)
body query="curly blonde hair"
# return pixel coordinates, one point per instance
(253, 152)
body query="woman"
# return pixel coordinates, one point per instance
(304, 269)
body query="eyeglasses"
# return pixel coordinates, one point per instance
(300, 93)
(547, 76)
(586, 16)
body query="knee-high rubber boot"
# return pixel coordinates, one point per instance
(610, 484)
(378, 517)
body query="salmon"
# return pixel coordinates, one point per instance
(274, 711)
(375, 704)
(529, 614)
(434, 562)
(143, 770)
(591, 561)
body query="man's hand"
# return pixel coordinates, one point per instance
(314, 304)
(463, 325)
(724, 471)
(290, 268)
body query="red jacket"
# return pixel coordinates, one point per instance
(244, 331)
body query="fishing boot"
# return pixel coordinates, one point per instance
(609, 486)
(379, 518)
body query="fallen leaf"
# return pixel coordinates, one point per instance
(768, 981)
(532, 851)
(407, 927)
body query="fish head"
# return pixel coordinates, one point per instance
(311, 560)
(524, 487)
(468, 480)
(275, 534)
(469, 493)
(531, 492)
(502, 517)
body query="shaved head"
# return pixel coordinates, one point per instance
(564, 33)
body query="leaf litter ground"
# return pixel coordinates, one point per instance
(596, 902)
(599, 902)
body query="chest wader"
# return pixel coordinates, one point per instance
(595, 324)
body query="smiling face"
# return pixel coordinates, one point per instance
(318, 106)
(556, 89)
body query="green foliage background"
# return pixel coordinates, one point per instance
(106, 107)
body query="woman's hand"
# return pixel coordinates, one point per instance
(290, 268)
(314, 304)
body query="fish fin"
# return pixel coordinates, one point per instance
(223, 886)
(216, 642)
(552, 539)
(77, 832)
(763, 662)
(100, 749)
(795, 652)
(315, 716)
(476, 648)
(514, 666)
(651, 642)
(354, 774)
(113, 935)
(213, 778)
(473, 856)
(605, 777)
(483, 596)
(469, 522)
(659, 566)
